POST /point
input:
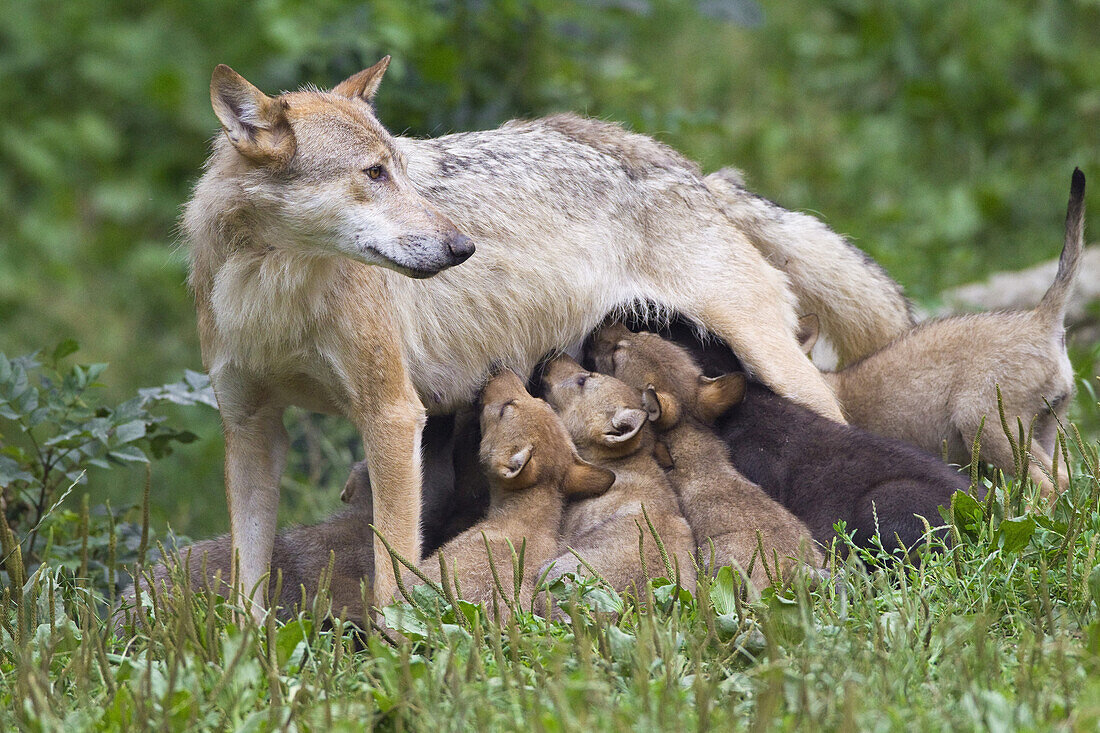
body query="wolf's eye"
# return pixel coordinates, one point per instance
(581, 379)
(375, 172)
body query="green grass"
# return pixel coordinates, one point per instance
(996, 629)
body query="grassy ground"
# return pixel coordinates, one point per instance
(996, 629)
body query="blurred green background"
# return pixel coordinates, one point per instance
(938, 136)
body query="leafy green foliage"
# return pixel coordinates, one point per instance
(60, 430)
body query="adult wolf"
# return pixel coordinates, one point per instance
(572, 219)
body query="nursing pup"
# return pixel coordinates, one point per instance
(610, 423)
(320, 246)
(532, 468)
(731, 517)
(821, 471)
(936, 383)
(301, 555)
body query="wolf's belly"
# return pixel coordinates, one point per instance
(461, 324)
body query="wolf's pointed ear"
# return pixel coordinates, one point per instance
(809, 328)
(583, 479)
(513, 466)
(363, 85)
(718, 394)
(662, 409)
(255, 123)
(624, 425)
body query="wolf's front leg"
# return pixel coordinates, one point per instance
(255, 452)
(391, 434)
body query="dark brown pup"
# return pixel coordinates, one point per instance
(822, 471)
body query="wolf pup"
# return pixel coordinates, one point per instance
(730, 515)
(609, 422)
(320, 245)
(822, 471)
(533, 468)
(301, 554)
(936, 383)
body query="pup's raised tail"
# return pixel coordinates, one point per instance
(860, 307)
(1053, 305)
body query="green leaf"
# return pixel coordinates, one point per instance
(128, 454)
(93, 371)
(1014, 534)
(969, 514)
(65, 348)
(621, 643)
(724, 591)
(1052, 525)
(10, 471)
(404, 619)
(131, 431)
(288, 638)
(19, 381)
(728, 625)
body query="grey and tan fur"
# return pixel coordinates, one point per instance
(319, 249)
(936, 383)
(731, 517)
(532, 467)
(859, 306)
(300, 554)
(609, 422)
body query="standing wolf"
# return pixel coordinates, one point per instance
(572, 219)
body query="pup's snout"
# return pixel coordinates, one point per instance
(460, 246)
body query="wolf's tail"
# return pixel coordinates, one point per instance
(861, 309)
(1053, 304)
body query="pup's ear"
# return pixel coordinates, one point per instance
(662, 409)
(624, 425)
(363, 85)
(583, 479)
(513, 466)
(255, 123)
(809, 328)
(718, 394)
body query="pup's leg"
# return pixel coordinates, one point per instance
(255, 451)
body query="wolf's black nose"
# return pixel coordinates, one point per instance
(461, 247)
